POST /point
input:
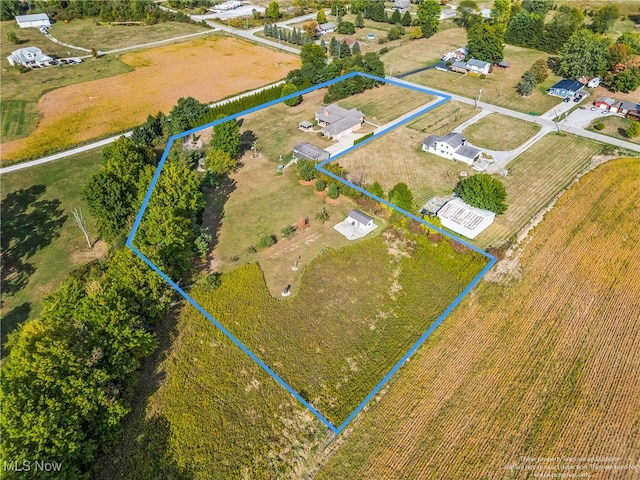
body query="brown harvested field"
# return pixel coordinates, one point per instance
(540, 364)
(397, 156)
(423, 52)
(207, 69)
(513, 132)
(535, 177)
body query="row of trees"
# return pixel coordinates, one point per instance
(538, 73)
(295, 36)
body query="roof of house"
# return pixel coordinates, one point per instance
(29, 55)
(402, 3)
(453, 139)
(463, 214)
(305, 124)
(310, 151)
(358, 216)
(34, 17)
(327, 26)
(341, 125)
(478, 63)
(628, 105)
(468, 152)
(459, 64)
(571, 85)
(334, 114)
(608, 100)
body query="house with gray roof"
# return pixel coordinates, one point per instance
(309, 152)
(452, 146)
(337, 122)
(401, 5)
(325, 28)
(631, 110)
(472, 66)
(29, 57)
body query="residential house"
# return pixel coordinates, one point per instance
(228, 5)
(630, 110)
(565, 88)
(464, 219)
(605, 103)
(477, 67)
(29, 57)
(401, 5)
(337, 122)
(309, 152)
(448, 13)
(325, 28)
(452, 146)
(35, 20)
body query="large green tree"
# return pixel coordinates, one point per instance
(483, 191)
(525, 30)
(428, 17)
(219, 162)
(483, 43)
(500, 15)
(605, 18)
(226, 138)
(401, 196)
(564, 23)
(273, 11)
(541, 7)
(631, 40)
(314, 63)
(467, 13)
(585, 54)
(186, 113)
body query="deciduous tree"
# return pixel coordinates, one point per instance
(226, 138)
(428, 17)
(483, 191)
(484, 43)
(585, 54)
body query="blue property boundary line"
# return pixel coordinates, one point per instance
(320, 167)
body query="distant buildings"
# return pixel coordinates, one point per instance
(401, 5)
(228, 5)
(36, 20)
(325, 28)
(458, 54)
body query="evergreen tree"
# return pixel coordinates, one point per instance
(395, 17)
(334, 49)
(226, 137)
(406, 19)
(356, 48)
(321, 17)
(323, 44)
(345, 51)
(359, 22)
(484, 43)
(527, 84)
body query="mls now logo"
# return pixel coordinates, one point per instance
(28, 466)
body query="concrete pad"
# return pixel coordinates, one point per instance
(353, 232)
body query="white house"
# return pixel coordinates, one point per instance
(325, 28)
(401, 5)
(29, 57)
(336, 122)
(35, 20)
(478, 66)
(448, 13)
(452, 146)
(464, 219)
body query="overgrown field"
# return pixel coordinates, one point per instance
(542, 361)
(499, 132)
(41, 242)
(499, 86)
(199, 68)
(535, 177)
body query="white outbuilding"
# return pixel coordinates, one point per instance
(35, 20)
(464, 219)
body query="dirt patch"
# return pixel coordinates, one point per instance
(199, 68)
(86, 254)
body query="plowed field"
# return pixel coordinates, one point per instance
(537, 371)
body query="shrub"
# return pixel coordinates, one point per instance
(376, 189)
(202, 243)
(483, 76)
(633, 130)
(306, 169)
(267, 241)
(288, 231)
(320, 185)
(599, 126)
(12, 37)
(333, 191)
(323, 216)
(383, 50)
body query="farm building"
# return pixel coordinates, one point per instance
(464, 219)
(565, 88)
(401, 5)
(325, 28)
(29, 57)
(472, 66)
(356, 225)
(503, 64)
(452, 146)
(337, 122)
(605, 103)
(36, 20)
(309, 152)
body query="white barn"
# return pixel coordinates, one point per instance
(35, 20)
(464, 219)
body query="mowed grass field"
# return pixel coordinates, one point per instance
(398, 156)
(41, 242)
(499, 86)
(615, 127)
(207, 69)
(535, 177)
(499, 132)
(540, 364)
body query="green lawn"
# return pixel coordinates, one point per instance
(41, 242)
(499, 132)
(499, 86)
(614, 126)
(535, 177)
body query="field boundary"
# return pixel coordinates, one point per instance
(492, 260)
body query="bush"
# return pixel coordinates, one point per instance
(599, 126)
(333, 191)
(12, 37)
(320, 185)
(267, 241)
(323, 216)
(202, 242)
(288, 231)
(483, 76)
(306, 169)
(634, 130)
(383, 50)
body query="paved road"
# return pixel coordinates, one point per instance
(540, 120)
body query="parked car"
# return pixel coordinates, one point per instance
(566, 99)
(577, 98)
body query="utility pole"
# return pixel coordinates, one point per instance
(478, 98)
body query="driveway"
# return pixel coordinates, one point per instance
(582, 117)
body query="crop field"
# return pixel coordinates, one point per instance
(41, 243)
(199, 68)
(541, 362)
(499, 86)
(87, 34)
(499, 132)
(535, 177)
(615, 127)
(426, 51)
